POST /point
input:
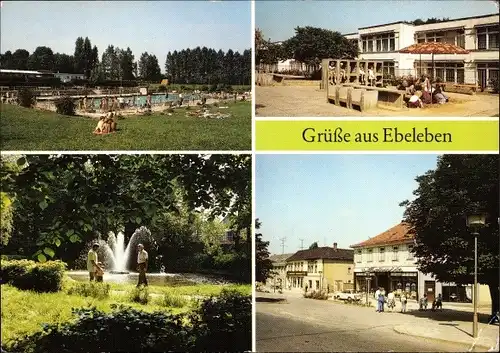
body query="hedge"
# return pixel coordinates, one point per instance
(31, 275)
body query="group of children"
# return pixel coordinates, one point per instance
(106, 124)
(422, 92)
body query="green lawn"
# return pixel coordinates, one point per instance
(23, 129)
(23, 312)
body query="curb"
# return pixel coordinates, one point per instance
(404, 332)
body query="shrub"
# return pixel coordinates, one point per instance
(173, 301)
(224, 323)
(26, 98)
(139, 295)
(30, 275)
(495, 85)
(316, 295)
(90, 289)
(162, 88)
(65, 106)
(122, 330)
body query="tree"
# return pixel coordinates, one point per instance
(6, 61)
(126, 59)
(64, 201)
(79, 55)
(313, 245)
(110, 64)
(460, 185)
(64, 63)
(41, 59)
(20, 59)
(310, 45)
(263, 265)
(148, 67)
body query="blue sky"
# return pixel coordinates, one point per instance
(277, 19)
(153, 26)
(333, 198)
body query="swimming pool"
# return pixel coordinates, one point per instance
(141, 100)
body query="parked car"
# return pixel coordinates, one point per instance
(348, 295)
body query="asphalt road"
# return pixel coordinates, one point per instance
(287, 330)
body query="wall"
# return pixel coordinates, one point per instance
(338, 271)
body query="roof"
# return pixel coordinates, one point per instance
(395, 235)
(433, 48)
(410, 24)
(279, 257)
(324, 252)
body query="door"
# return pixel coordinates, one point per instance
(430, 290)
(483, 80)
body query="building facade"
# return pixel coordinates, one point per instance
(387, 261)
(278, 277)
(479, 35)
(326, 269)
(65, 78)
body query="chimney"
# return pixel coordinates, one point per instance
(335, 246)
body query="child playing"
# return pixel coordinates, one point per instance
(99, 273)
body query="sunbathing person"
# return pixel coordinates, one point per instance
(100, 125)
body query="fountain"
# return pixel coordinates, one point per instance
(119, 252)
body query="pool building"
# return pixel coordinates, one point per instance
(479, 35)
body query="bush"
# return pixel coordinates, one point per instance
(90, 289)
(26, 98)
(122, 330)
(65, 106)
(495, 85)
(173, 301)
(316, 295)
(36, 276)
(162, 88)
(139, 295)
(224, 323)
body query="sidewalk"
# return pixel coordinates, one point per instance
(457, 332)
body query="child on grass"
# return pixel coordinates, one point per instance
(99, 273)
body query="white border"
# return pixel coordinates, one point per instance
(375, 118)
(254, 321)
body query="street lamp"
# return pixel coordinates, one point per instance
(475, 222)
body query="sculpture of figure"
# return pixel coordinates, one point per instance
(362, 74)
(331, 73)
(343, 75)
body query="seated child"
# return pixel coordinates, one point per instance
(415, 101)
(100, 125)
(99, 273)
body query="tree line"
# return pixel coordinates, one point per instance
(199, 65)
(208, 66)
(309, 45)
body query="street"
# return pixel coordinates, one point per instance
(307, 325)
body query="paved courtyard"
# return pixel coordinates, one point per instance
(301, 324)
(310, 101)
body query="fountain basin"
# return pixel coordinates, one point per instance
(119, 272)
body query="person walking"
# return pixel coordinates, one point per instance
(404, 300)
(142, 265)
(380, 301)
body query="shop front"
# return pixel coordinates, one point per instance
(295, 280)
(391, 281)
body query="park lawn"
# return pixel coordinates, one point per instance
(23, 312)
(23, 129)
(204, 290)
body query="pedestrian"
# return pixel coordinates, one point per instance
(380, 302)
(391, 302)
(142, 265)
(403, 299)
(92, 262)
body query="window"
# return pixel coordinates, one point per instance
(410, 252)
(448, 71)
(349, 270)
(310, 266)
(370, 255)
(455, 37)
(379, 43)
(382, 255)
(395, 253)
(359, 256)
(315, 267)
(487, 38)
(389, 69)
(317, 284)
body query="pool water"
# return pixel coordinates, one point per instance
(141, 100)
(158, 279)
